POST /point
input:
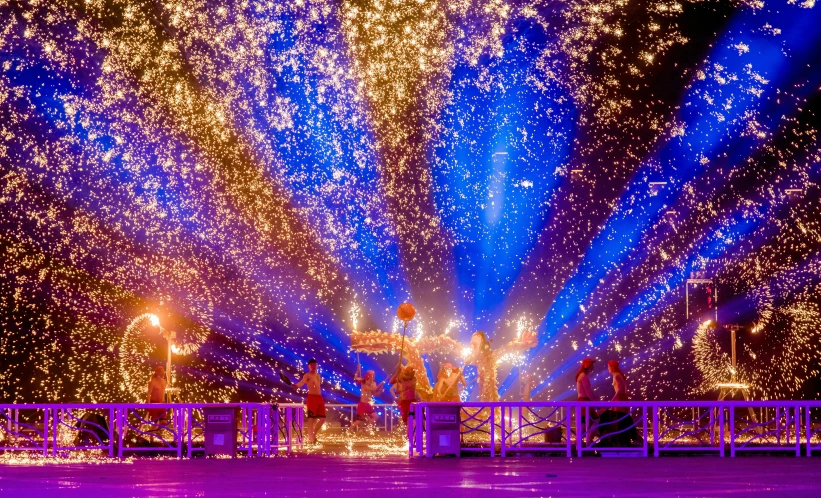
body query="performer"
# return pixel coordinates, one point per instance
(619, 384)
(483, 357)
(365, 412)
(156, 394)
(585, 393)
(404, 381)
(314, 401)
(447, 385)
(623, 423)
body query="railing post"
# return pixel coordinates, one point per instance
(410, 434)
(428, 446)
(503, 436)
(797, 408)
(275, 429)
(178, 429)
(45, 431)
(732, 430)
(579, 434)
(263, 414)
(288, 428)
(712, 426)
(269, 421)
(519, 442)
(120, 432)
(189, 428)
(112, 422)
(55, 429)
(568, 431)
(492, 418)
(721, 428)
(243, 411)
(250, 428)
(301, 425)
(808, 429)
(644, 421)
(420, 428)
(656, 432)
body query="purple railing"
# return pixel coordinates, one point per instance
(578, 428)
(344, 414)
(28, 434)
(117, 429)
(628, 427)
(287, 429)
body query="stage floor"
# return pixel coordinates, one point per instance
(324, 475)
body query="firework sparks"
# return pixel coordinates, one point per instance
(241, 172)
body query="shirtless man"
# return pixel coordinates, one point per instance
(314, 401)
(364, 410)
(156, 394)
(404, 381)
(447, 387)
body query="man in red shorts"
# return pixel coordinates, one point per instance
(314, 401)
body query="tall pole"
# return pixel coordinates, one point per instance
(732, 338)
(167, 335)
(402, 347)
(168, 365)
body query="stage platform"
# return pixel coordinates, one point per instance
(326, 475)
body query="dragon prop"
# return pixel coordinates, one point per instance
(477, 353)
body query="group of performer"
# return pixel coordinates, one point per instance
(615, 420)
(403, 388)
(449, 384)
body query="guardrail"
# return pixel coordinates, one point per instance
(632, 427)
(288, 424)
(345, 413)
(176, 428)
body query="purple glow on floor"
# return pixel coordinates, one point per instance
(317, 475)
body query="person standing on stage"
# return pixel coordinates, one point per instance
(619, 384)
(314, 402)
(156, 394)
(404, 381)
(447, 387)
(624, 426)
(585, 393)
(364, 410)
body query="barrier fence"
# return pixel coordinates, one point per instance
(119, 429)
(626, 427)
(500, 428)
(342, 415)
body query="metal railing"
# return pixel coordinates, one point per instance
(345, 413)
(116, 429)
(632, 427)
(287, 429)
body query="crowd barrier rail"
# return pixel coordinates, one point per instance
(641, 428)
(638, 428)
(388, 416)
(126, 428)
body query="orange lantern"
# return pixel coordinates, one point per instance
(406, 312)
